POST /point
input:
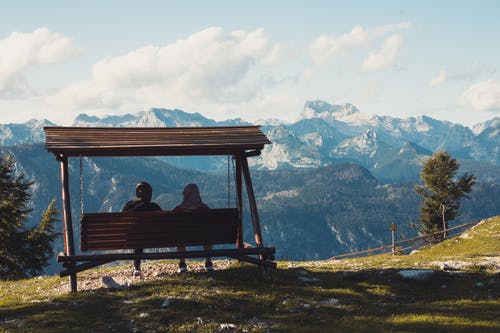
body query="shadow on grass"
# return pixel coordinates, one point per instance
(294, 300)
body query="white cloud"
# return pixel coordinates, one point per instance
(438, 79)
(20, 51)
(482, 96)
(328, 46)
(474, 71)
(383, 58)
(277, 54)
(211, 66)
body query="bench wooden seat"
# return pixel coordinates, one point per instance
(157, 229)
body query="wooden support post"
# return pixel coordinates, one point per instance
(239, 202)
(253, 204)
(69, 245)
(264, 271)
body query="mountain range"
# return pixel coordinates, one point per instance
(306, 213)
(393, 149)
(330, 183)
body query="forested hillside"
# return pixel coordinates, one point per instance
(306, 213)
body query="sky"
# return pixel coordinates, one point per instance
(249, 59)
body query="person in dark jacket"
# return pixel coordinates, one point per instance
(192, 202)
(142, 202)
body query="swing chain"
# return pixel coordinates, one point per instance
(235, 189)
(81, 186)
(228, 183)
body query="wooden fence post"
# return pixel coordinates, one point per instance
(393, 229)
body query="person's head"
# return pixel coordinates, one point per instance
(191, 191)
(144, 191)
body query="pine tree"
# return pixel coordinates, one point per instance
(23, 251)
(441, 193)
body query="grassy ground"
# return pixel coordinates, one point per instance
(357, 295)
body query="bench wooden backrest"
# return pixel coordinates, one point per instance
(155, 229)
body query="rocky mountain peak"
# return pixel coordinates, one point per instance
(279, 133)
(84, 118)
(38, 123)
(409, 147)
(321, 109)
(327, 133)
(492, 123)
(151, 118)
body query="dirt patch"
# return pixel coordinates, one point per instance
(491, 263)
(122, 276)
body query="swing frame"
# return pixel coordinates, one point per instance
(240, 142)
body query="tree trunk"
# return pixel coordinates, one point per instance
(443, 211)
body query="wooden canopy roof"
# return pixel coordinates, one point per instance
(153, 141)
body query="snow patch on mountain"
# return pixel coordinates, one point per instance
(270, 122)
(287, 151)
(279, 155)
(478, 128)
(282, 194)
(362, 147)
(332, 114)
(314, 139)
(28, 132)
(151, 118)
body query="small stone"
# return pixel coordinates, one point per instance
(308, 279)
(110, 283)
(165, 304)
(416, 274)
(445, 267)
(479, 284)
(256, 322)
(144, 315)
(223, 327)
(331, 301)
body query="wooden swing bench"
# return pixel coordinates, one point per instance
(159, 229)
